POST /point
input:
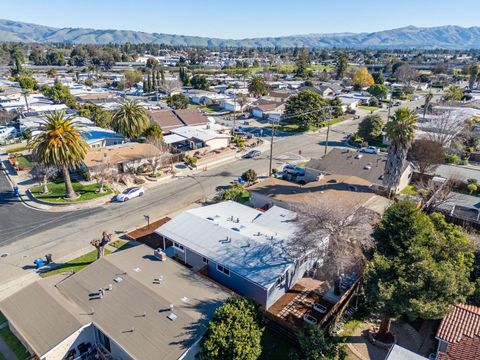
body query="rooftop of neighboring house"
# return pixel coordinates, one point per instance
(344, 192)
(369, 167)
(466, 348)
(191, 117)
(93, 133)
(266, 105)
(201, 132)
(249, 242)
(463, 320)
(166, 119)
(133, 314)
(397, 352)
(119, 154)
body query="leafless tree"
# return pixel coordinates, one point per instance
(158, 155)
(104, 173)
(348, 233)
(100, 244)
(170, 86)
(406, 74)
(444, 127)
(426, 154)
(436, 194)
(43, 173)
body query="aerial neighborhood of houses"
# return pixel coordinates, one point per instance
(215, 202)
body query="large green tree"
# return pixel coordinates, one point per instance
(341, 66)
(200, 82)
(400, 131)
(306, 109)
(177, 101)
(130, 119)
(234, 333)
(257, 86)
(421, 265)
(60, 144)
(315, 346)
(380, 91)
(370, 127)
(59, 94)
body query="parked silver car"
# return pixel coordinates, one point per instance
(130, 193)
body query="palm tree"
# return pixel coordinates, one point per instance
(428, 99)
(60, 144)
(401, 132)
(131, 119)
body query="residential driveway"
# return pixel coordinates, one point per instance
(18, 221)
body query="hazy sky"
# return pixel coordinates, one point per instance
(245, 18)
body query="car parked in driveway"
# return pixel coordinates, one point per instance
(293, 169)
(370, 150)
(130, 193)
(252, 154)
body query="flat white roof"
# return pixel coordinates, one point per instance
(249, 242)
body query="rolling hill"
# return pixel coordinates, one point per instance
(446, 37)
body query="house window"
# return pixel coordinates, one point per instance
(223, 270)
(205, 260)
(178, 246)
(280, 280)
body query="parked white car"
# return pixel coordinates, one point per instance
(370, 150)
(7, 131)
(130, 193)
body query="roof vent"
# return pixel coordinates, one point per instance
(211, 218)
(118, 279)
(367, 167)
(172, 316)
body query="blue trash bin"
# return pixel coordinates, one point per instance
(16, 191)
(39, 263)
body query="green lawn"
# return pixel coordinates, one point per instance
(368, 108)
(409, 190)
(121, 244)
(14, 344)
(274, 347)
(2, 318)
(75, 264)
(25, 162)
(57, 191)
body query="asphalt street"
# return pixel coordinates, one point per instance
(18, 221)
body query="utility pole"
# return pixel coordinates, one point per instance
(271, 149)
(328, 128)
(234, 113)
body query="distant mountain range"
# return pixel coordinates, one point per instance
(446, 37)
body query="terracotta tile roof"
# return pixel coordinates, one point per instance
(464, 320)
(466, 349)
(165, 119)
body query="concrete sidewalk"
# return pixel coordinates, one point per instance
(24, 182)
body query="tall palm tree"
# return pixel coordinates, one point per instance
(428, 99)
(60, 144)
(401, 132)
(130, 119)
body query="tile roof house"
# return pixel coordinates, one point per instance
(136, 317)
(239, 247)
(369, 167)
(462, 323)
(466, 348)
